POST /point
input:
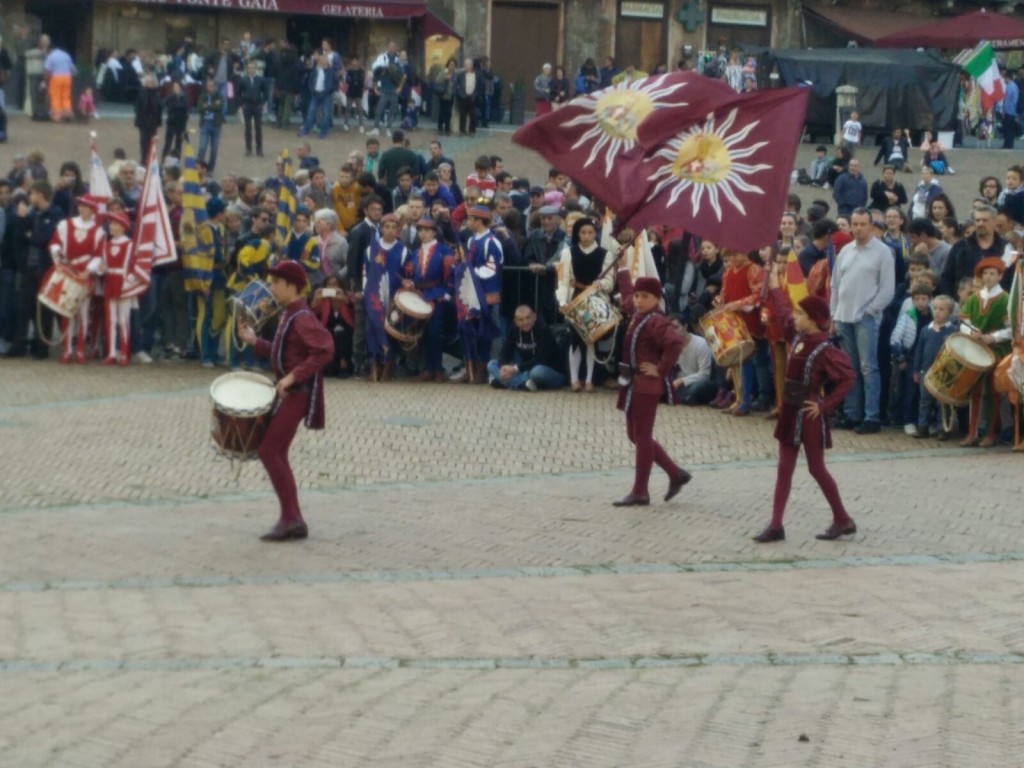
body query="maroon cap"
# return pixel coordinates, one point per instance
(651, 285)
(817, 309)
(290, 271)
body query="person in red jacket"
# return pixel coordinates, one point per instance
(650, 349)
(298, 354)
(803, 418)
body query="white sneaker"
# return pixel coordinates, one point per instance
(361, 129)
(374, 132)
(910, 429)
(142, 357)
(531, 385)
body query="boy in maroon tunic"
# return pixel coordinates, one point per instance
(650, 349)
(803, 418)
(298, 354)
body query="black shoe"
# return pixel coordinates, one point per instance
(771, 534)
(867, 428)
(834, 531)
(676, 485)
(944, 436)
(16, 351)
(845, 423)
(922, 433)
(632, 500)
(286, 531)
(760, 405)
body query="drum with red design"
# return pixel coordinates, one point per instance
(63, 290)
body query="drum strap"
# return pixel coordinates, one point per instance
(808, 367)
(277, 350)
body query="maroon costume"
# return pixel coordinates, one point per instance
(650, 338)
(813, 361)
(301, 347)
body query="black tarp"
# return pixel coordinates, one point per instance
(896, 88)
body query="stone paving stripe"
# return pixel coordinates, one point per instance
(738, 660)
(523, 572)
(468, 482)
(89, 402)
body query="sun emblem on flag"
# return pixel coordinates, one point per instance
(614, 114)
(708, 160)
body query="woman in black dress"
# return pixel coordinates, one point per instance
(583, 263)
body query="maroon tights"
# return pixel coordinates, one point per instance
(640, 429)
(815, 453)
(274, 452)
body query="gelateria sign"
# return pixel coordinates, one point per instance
(382, 9)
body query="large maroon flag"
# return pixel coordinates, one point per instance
(724, 173)
(596, 139)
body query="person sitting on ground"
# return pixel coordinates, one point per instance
(529, 356)
(693, 381)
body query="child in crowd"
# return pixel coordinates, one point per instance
(741, 294)
(929, 342)
(903, 341)
(984, 317)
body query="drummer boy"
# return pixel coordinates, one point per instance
(300, 350)
(984, 316)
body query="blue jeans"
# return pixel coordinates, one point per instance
(144, 319)
(388, 102)
(860, 342)
(319, 101)
(541, 375)
(209, 136)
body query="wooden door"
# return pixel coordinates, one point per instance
(640, 42)
(524, 36)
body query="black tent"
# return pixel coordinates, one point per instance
(896, 88)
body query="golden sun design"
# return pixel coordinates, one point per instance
(706, 160)
(614, 115)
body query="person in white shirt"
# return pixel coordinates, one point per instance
(852, 131)
(694, 382)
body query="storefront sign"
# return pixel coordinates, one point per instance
(368, 10)
(642, 10)
(739, 17)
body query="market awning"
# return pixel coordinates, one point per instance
(863, 26)
(965, 31)
(339, 9)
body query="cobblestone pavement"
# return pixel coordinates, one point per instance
(470, 598)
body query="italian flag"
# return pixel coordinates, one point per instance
(981, 64)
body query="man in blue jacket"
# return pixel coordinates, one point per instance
(851, 189)
(322, 84)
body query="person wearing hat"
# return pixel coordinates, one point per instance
(78, 244)
(385, 261)
(650, 350)
(477, 280)
(582, 265)
(814, 362)
(984, 317)
(300, 350)
(117, 264)
(427, 273)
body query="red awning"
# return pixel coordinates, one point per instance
(966, 31)
(435, 25)
(862, 26)
(339, 9)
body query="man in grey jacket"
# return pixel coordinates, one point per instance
(863, 282)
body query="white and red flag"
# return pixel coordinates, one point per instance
(154, 240)
(99, 183)
(595, 138)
